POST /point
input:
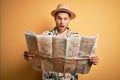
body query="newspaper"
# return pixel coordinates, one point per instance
(61, 54)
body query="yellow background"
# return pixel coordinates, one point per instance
(93, 16)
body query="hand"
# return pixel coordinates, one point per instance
(94, 59)
(28, 55)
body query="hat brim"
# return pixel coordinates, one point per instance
(72, 15)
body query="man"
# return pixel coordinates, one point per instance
(62, 16)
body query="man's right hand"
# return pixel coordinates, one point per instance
(28, 55)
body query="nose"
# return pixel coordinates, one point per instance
(62, 21)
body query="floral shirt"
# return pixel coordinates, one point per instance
(56, 75)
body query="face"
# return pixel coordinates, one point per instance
(62, 20)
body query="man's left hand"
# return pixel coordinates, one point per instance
(94, 59)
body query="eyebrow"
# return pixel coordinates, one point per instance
(62, 12)
(61, 17)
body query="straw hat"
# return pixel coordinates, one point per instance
(63, 7)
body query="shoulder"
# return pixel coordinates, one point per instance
(50, 32)
(73, 34)
(47, 33)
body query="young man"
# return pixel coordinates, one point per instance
(62, 16)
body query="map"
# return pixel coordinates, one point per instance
(61, 54)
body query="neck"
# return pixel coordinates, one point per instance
(62, 33)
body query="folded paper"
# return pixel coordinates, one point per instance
(61, 54)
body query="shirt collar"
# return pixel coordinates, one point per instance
(55, 31)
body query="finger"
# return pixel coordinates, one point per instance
(95, 62)
(28, 58)
(29, 55)
(91, 56)
(26, 52)
(94, 59)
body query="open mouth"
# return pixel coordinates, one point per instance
(61, 26)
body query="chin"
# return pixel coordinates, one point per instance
(61, 30)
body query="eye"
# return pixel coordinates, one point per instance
(65, 18)
(59, 18)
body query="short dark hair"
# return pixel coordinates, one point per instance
(63, 12)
